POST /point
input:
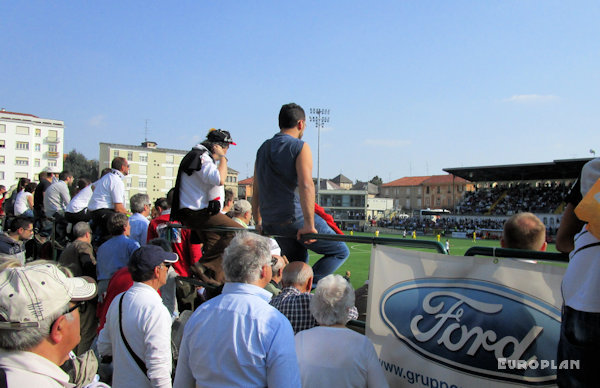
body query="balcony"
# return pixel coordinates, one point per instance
(52, 139)
(52, 154)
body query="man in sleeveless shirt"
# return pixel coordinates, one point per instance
(283, 204)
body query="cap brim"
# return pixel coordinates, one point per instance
(171, 257)
(232, 143)
(84, 288)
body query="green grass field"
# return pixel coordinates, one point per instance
(360, 254)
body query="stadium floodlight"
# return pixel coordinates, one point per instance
(319, 117)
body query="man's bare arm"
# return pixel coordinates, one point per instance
(570, 225)
(306, 190)
(119, 208)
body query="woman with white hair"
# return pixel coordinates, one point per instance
(331, 355)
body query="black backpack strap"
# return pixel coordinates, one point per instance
(138, 360)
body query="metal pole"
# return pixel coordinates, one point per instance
(319, 116)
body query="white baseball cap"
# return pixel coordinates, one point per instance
(29, 295)
(590, 173)
(275, 249)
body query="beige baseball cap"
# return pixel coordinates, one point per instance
(29, 295)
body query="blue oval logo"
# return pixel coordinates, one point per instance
(469, 325)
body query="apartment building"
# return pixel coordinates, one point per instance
(152, 170)
(28, 144)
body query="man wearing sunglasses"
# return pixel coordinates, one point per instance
(137, 333)
(39, 324)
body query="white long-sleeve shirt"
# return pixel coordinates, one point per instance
(147, 327)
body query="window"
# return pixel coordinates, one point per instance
(170, 158)
(1, 159)
(169, 183)
(21, 161)
(142, 169)
(2, 144)
(128, 183)
(427, 190)
(22, 145)
(144, 157)
(439, 189)
(169, 171)
(142, 183)
(2, 128)
(38, 147)
(20, 175)
(115, 153)
(130, 156)
(38, 132)
(52, 148)
(1, 175)
(52, 163)
(36, 163)
(22, 130)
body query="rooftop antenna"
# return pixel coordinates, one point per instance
(146, 131)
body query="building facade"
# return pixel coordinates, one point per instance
(28, 145)
(152, 170)
(422, 192)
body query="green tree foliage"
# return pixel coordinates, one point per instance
(376, 181)
(78, 164)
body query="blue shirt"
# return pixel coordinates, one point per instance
(139, 228)
(238, 340)
(113, 255)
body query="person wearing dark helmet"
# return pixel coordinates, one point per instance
(198, 200)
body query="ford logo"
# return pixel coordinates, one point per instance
(468, 325)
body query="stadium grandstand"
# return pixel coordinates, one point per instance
(499, 192)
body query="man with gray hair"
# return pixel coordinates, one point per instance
(79, 258)
(140, 207)
(39, 328)
(237, 339)
(242, 212)
(524, 231)
(294, 299)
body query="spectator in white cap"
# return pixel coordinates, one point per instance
(278, 263)
(242, 212)
(39, 323)
(140, 340)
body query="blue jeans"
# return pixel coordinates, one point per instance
(334, 252)
(579, 340)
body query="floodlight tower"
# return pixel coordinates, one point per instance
(319, 117)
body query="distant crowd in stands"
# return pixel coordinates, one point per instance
(447, 224)
(504, 200)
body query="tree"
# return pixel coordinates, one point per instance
(80, 167)
(377, 181)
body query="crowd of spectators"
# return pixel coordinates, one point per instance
(505, 200)
(448, 224)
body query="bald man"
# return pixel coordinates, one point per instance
(524, 231)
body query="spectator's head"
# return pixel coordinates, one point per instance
(21, 228)
(149, 264)
(160, 205)
(290, 115)
(217, 137)
(2, 189)
(118, 224)
(140, 203)
(524, 231)
(82, 183)
(44, 320)
(247, 259)
(277, 268)
(30, 187)
(170, 195)
(22, 183)
(66, 176)
(82, 231)
(45, 176)
(299, 275)
(242, 209)
(228, 202)
(105, 171)
(332, 300)
(120, 164)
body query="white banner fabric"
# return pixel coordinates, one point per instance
(458, 321)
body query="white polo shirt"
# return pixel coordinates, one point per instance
(108, 190)
(80, 201)
(202, 186)
(27, 369)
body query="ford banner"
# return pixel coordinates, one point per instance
(447, 321)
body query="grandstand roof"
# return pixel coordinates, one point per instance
(557, 169)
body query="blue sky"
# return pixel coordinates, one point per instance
(413, 86)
